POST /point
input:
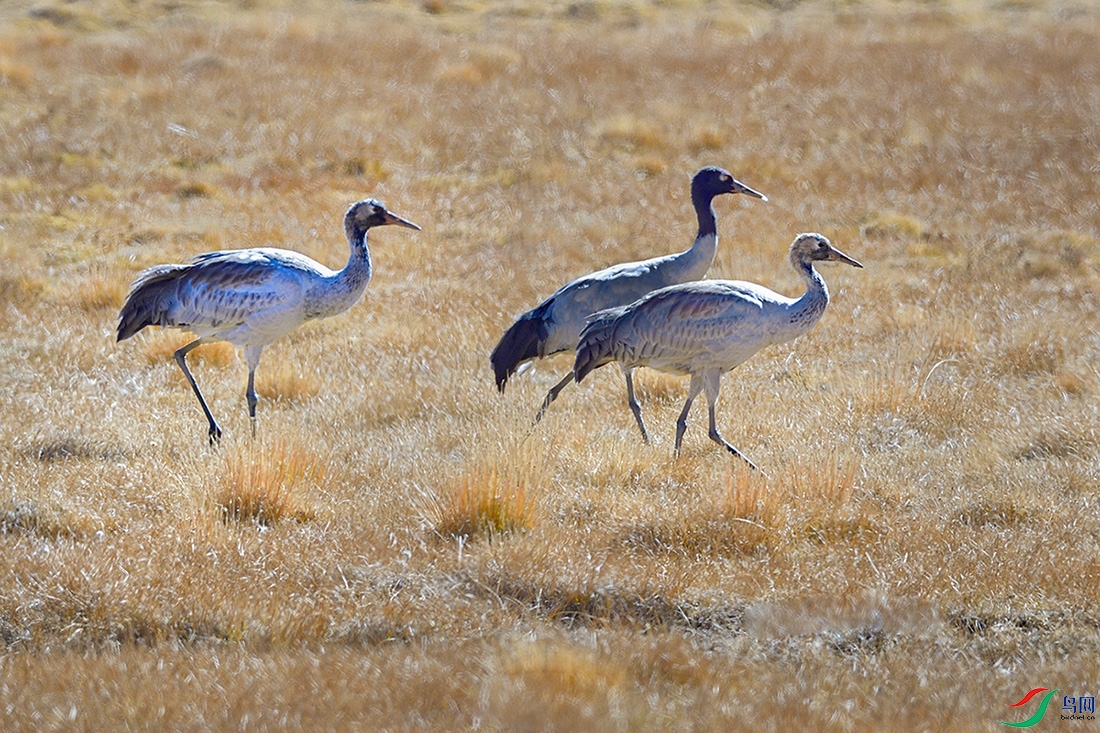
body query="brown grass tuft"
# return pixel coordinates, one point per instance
(16, 74)
(555, 669)
(97, 291)
(991, 514)
(891, 224)
(20, 290)
(1036, 349)
(267, 484)
(750, 498)
(48, 522)
(824, 482)
(283, 379)
(747, 517)
(491, 498)
(628, 131)
(194, 190)
(652, 386)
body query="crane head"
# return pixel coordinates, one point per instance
(371, 213)
(814, 247)
(712, 181)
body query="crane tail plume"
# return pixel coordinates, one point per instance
(521, 342)
(145, 303)
(596, 346)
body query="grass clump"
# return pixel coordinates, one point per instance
(283, 379)
(266, 485)
(32, 518)
(491, 498)
(891, 224)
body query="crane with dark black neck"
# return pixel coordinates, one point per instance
(554, 325)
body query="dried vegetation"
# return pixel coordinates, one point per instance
(398, 549)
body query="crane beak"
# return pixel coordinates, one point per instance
(392, 218)
(835, 255)
(739, 187)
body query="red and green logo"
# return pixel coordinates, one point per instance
(1038, 713)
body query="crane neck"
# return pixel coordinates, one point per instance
(808, 309)
(359, 264)
(705, 246)
(349, 283)
(704, 211)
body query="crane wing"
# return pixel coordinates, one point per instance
(678, 326)
(214, 292)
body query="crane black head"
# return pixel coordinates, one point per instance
(712, 181)
(371, 213)
(814, 247)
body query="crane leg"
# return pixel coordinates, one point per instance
(181, 359)
(694, 389)
(635, 406)
(252, 358)
(553, 395)
(712, 384)
(250, 395)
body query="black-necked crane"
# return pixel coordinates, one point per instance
(553, 326)
(251, 297)
(706, 328)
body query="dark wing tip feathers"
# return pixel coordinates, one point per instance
(594, 346)
(519, 343)
(141, 307)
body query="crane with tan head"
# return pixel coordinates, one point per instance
(706, 328)
(251, 297)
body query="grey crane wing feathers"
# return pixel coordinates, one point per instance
(620, 284)
(715, 323)
(217, 292)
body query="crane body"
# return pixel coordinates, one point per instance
(251, 297)
(706, 328)
(554, 325)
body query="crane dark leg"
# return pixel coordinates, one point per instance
(252, 355)
(635, 406)
(553, 395)
(694, 389)
(711, 381)
(250, 395)
(181, 359)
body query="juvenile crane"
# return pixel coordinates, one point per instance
(554, 325)
(251, 297)
(707, 328)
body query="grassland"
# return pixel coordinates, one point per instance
(396, 550)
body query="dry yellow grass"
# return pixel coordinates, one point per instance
(397, 549)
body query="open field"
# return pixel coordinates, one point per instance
(396, 550)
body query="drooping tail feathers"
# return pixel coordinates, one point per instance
(521, 342)
(147, 303)
(597, 342)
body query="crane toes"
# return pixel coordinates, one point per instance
(215, 434)
(740, 455)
